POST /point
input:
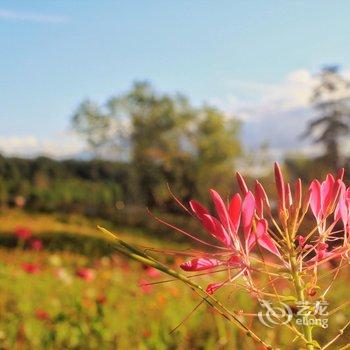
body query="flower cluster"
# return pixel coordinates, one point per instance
(25, 236)
(247, 227)
(273, 249)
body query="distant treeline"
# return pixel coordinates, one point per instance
(110, 190)
(93, 187)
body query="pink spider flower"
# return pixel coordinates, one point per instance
(240, 230)
(240, 225)
(225, 228)
(291, 207)
(324, 196)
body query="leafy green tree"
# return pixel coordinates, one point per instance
(217, 147)
(166, 140)
(159, 128)
(95, 126)
(331, 98)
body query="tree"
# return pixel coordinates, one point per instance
(165, 139)
(331, 99)
(217, 145)
(89, 121)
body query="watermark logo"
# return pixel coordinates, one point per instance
(312, 314)
(273, 315)
(305, 313)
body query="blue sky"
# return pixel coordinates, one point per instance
(254, 58)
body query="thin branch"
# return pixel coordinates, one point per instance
(340, 333)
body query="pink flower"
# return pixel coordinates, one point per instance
(145, 287)
(342, 210)
(36, 244)
(23, 233)
(323, 197)
(31, 268)
(233, 251)
(239, 226)
(152, 272)
(85, 273)
(42, 315)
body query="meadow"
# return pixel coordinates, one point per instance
(79, 294)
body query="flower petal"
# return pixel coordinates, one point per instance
(213, 287)
(235, 261)
(315, 198)
(263, 238)
(266, 242)
(200, 264)
(241, 183)
(298, 193)
(215, 227)
(341, 210)
(288, 197)
(234, 210)
(221, 209)
(327, 193)
(248, 208)
(260, 198)
(280, 186)
(198, 209)
(340, 174)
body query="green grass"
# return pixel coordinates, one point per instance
(112, 311)
(129, 318)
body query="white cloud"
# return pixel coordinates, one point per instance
(60, 146)
(254, 100)
(273, 113)
(31, 17)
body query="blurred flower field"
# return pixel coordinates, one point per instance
(61, 299)
(70, 301)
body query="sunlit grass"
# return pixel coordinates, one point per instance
(54, 307)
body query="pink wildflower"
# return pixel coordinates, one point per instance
(31, 268)
(152, 272)
(23, 233)
(323, 197)
(144, 285)
(85, 273)
(233, 251)
(42, 315)
(36, 244)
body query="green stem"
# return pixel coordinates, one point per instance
(307, 330)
